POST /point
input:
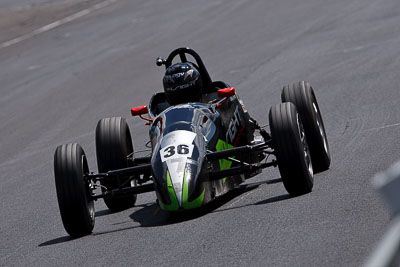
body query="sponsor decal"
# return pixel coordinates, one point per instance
(186, 85)
(172, 78)
(234, 126)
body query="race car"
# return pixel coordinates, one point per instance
(199, 150)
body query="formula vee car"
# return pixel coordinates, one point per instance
(199, 151)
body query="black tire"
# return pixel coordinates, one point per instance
(302, 95)
(73, 191)
(113, 146)
(291, 149)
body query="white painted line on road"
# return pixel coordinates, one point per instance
(383, 127)
(57, 23)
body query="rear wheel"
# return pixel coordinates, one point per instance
(302, 95)
(291, 149)
(113, 147)
(73, 190)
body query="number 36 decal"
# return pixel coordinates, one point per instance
(176, 151)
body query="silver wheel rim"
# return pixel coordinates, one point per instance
(321, 127)
(306, 150)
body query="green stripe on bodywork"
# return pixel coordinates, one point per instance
(185, 197)
(174, 206)
(224, 163)
(171, 192)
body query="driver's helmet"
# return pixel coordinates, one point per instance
(182, 83)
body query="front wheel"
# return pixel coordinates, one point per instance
(73, 190)
(291, 149)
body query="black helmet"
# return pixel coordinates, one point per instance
(182, 83)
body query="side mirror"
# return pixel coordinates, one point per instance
(226, 92)
(137, 111)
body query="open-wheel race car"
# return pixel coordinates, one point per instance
(199, 150)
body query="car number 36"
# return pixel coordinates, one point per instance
(181, 149)
(175, 151)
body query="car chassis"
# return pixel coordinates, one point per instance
(143, 168)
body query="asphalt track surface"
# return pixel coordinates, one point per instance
(55, 86)
(24, 4)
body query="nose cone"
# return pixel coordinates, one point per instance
(180, 158)
(180, 199)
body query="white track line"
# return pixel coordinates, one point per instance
(57, 23)
(383, 127)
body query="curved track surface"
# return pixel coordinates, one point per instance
(55, 86)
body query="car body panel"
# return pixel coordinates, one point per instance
(181, 136)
